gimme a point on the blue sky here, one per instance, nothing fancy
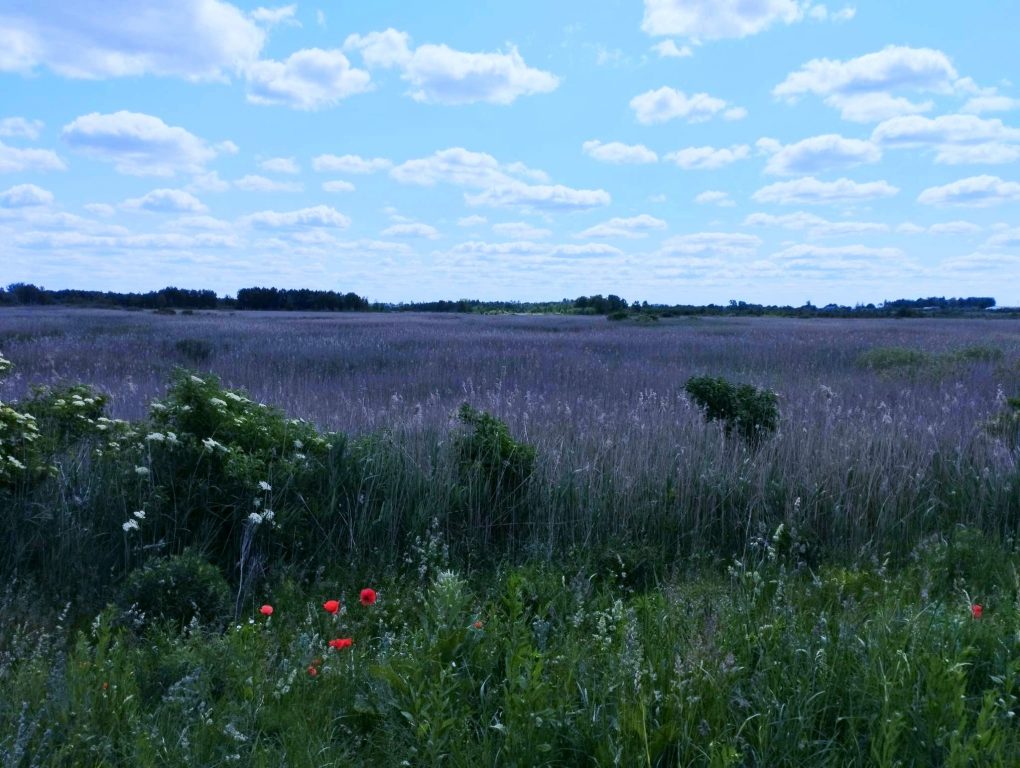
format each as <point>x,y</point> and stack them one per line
<point>685,151</point>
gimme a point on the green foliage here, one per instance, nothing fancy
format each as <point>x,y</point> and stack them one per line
<point>178,589</point>
<point>1006,423</point>
<point>751,412</point>
<point>67,412</point>
<point>886,359</point>
<point>21,457</point>
<point>489,455</point>
<point>195,351</point>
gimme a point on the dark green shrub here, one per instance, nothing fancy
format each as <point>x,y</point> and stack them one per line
<point>620,314</point>
<point>888,359</point>
<point>752,413</point>
<point>487,449</point>
<point>195,351</point>
<point>67,412</point>
<point>178,589</point>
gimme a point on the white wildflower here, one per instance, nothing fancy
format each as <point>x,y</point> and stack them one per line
<point>197,380</point>
<point>141,471</point>
<point>268,515</point>
<point>15,463</point>
<point>255,518</point>
<point>155,437</point>
<point>139,513</point>
<point>158,406</point>
<point>211,445</point>
<point>298,445</point>
<point>265,486</point>
<point>217,402</point>
<point>130,525</point>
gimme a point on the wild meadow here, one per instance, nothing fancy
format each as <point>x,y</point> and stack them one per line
<point>352,539</point>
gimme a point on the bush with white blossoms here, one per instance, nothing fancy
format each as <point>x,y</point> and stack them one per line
<point>21,456</point>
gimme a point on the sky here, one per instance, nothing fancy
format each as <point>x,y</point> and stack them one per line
<point>676,151</point>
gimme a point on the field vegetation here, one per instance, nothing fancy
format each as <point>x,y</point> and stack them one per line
<point>370,539</point>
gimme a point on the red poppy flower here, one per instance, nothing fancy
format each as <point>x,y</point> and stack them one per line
<point>312,671</point>
<point>367,596</point>
<point>976,610</point>
<point>266,610</point>
<point>341,643</point>
<point>477,625</point>
<point>331,606</point>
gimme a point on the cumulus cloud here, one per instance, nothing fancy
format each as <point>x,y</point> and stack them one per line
<point>818,153</point>
<point>667,49</point>
<point>528,248</point>
<point>618,153</point>
<point>664,104</point>
<point>954,228</point>
<point>280,165</point>
<point>811,191</point>
<point>25,196</point>
<point>166,201</point>
<point>14,160</point>
<point>552,197</point>
<point>990,103</point>
<point>717,19</point>
<point>308,79</point>
<point>337,185</point>
<point>860,87</point>
<point>255,183</point>
<point>519,230</point>
<point>272,16</point>
<point>1007,238</point>
<point>812,225</point>
<point>840,258</point>
<point>192,39</point>
<point>350,164</point>
<point>100,209</point>
<point>714,197</point>
<point>708,158</point>
<point>317,216</point>
<point>973,192</point>
<point>633,227</point>
<point>958,139</point>
<point>439,74</point>
<point>20,128</point>
<point>718,243</point>
<point>138,144</point>
<point>412,230</point>
<point>471,221</point>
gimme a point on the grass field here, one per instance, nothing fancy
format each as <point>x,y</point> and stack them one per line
<point>583,572</point>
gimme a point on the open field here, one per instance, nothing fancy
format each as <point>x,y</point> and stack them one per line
<point>640,588</point>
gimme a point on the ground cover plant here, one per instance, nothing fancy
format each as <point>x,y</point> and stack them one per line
<point>507,540</point>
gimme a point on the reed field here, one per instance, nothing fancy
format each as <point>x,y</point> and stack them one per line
<point>540,549</point>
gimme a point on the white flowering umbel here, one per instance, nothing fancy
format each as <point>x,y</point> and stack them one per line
<point>19,453</point>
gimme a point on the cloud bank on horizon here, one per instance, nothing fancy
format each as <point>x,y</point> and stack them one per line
<point>668,150</point>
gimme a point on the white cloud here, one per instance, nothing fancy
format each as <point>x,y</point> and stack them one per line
<point>821,13</point>
<point>100,209</point>
<point>812,225</point>
<point>350,164</point>
<point>668,49</point>
<point>439,74</point>
<point>633,227</point>
<point>166,201</point>
<point>718,243</point>
<point>973,192</point>
<point>818,153</point>
<point>308,79</point>
<point>1007,238</point>
<point>208,182</point>
<point>954,228</point>
<point>959,139</point>
<point>138,144</point>
<point>208,223</point>
<point>618,153</point>
<point>254,183</point>
<point>811,191</point>
<point>860,87</point>
<point>995,263</point>
<point>668,103</point>
<point>412,230</point>
<point>193,39</point>
<point>708,158</point>
<point>317,216</point>
<point>463,167</point>
<point>471,221</point>
<point>528,248</point>
<point>338,185</point>
<point>280,165</point>
<point>25,196</point>
<point>13,160</point>
<point>714,197</point>
<point>717,19</point>
<point>272,16</point>
<point>990,103</point>
<point>850,259</point>
<point>520,230</point>
<point>19,127</point>
<point>540,197</point>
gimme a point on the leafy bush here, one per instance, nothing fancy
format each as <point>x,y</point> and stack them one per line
<point>67,412</point>
<point>177,589</point>
<point>752,412</point>
<point>195,351</point>
<point>21,457</point>
<point>489,450</point>
<point>886,359</point>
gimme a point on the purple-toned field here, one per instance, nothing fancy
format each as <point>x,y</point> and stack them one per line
<point>894,439</point>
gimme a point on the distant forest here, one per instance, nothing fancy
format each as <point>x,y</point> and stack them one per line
<point>614,307</point>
